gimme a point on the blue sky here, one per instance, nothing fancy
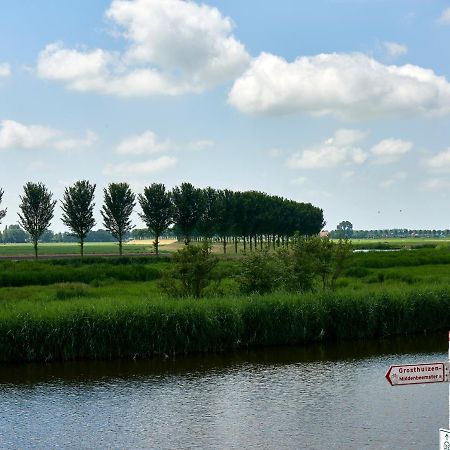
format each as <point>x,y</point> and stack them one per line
<point>342,103</point>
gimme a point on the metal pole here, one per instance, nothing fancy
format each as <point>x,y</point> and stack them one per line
<point>449,382</point>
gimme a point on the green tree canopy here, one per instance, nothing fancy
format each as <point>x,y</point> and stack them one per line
<point>157,210</point>
<point>78,210</point>
<point>116,211</point>
<point>345,230</point>
<point>188,209</point>
<point>37,208</point>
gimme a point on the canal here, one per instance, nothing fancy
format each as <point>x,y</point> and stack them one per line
<point>331,396</point>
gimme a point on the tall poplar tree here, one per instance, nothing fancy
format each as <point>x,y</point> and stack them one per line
<point>37,209</point>
<point>116,211</point>
<point>188,209</point>
<point>78,210</point>
<point>157,210</point>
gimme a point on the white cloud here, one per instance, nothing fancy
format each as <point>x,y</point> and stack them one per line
<point>444,18</point>
<point>74,144</point>
<point>435,184</point>
<point>146,143</point>
<point>390,150</point>
<point>140,168</point>
<point>173,47</point>
<point>5,70</point>
<point>339,149</point>
<point>440,162</point>
<point>394,49</point>
<point>14,135</point>
<point>399,176</point>
<point>18,136</point>
<point>346,85</point>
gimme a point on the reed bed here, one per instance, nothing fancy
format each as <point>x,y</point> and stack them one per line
<point>142,327</point>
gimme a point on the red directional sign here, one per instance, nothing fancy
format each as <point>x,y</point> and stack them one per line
<point>417,374</point>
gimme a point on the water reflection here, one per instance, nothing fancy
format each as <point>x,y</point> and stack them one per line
<point>318,397</point>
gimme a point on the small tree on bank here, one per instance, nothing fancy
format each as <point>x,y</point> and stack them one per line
<point>2,211</point>
<point>116,211</point>
<point>157,210</point>
<point>37,209</point>
<point>78,210</point>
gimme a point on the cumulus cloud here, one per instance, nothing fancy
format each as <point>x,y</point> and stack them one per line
<point>75,143</point>
<point>172,47</point>
<point>345,85</point>
<point>394,49</point>
<point>390,150</point>
<point>340,149</point>
<point>140,168</point>
<point>440,162</point>
<point>444,18</point>
<point>5,70</point>
<point>18,136</point>
<point>146,143</point>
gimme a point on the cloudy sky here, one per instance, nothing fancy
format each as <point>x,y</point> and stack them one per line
<point>341,103</point>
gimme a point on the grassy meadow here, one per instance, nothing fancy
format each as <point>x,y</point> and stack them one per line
<point>114,307</point>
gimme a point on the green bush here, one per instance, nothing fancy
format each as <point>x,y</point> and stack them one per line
<point>190,271</point>
<point>259,273</point>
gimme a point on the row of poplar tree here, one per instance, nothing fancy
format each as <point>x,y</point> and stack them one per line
<point>249,217</point>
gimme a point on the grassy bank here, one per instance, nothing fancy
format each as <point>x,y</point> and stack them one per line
<point>139,326</point>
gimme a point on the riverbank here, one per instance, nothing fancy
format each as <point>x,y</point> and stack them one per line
<point>143,327</point>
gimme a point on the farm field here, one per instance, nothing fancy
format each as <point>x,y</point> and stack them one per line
<point>170,245</point>
<point>90,248</point>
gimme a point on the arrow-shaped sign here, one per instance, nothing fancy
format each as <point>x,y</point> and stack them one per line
<point>417,373</point>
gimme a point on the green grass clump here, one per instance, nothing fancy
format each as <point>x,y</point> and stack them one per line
<point>26,273</point>
<point>146,326</point>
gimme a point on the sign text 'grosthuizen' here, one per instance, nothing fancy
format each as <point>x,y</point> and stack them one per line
<point>417,373</point>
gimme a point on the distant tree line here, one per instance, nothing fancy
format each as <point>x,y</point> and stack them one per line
<point>345,230</point>
<point>252,218</point>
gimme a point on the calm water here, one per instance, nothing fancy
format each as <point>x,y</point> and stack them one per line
<point>328,397</point>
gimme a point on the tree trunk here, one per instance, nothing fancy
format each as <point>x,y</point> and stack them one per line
<point>35,244</point>
<point>235,244</point>
<point>120,247</point>
<point>251,243</point>
<point>224,245</point>
<point>82,248</point>
<point>156,245</point>
<point>244,243</point>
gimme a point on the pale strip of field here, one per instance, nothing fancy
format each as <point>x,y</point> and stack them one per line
<point>150,242</point>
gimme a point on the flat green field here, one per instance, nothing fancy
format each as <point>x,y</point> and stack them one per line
<point>136,248</point>
<point>46,249</point>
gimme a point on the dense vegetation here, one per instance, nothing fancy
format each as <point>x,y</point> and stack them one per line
<point>108,308</point>
<point>142,327</point>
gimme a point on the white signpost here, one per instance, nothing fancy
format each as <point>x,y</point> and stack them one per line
<point>423,373</point>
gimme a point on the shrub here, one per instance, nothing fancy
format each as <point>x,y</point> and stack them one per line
<point>258,273</point>
<point>190,272</point>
